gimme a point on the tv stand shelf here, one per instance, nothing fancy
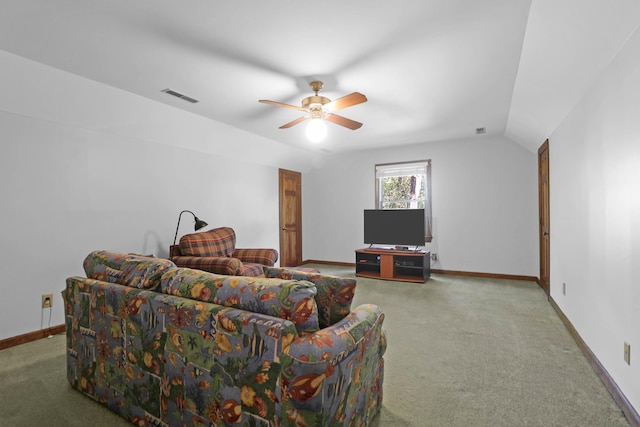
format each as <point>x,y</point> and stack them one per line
<point>389,264</point>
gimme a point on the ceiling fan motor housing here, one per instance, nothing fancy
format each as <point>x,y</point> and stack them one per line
<point>314,105</point>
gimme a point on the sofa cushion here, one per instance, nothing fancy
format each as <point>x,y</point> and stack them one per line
<point>334,294</point>
<point>287,299</point>
<point>219,242</point>
<point>133,270</point>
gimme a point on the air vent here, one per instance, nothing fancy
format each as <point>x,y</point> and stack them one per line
<point>480,131</point>
<point>180,95</point>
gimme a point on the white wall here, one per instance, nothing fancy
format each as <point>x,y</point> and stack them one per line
<point>595,217</point>
<point>484,204</point>
<point>85,166</point>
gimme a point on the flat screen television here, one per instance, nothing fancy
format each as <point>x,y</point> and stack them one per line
<point>400,227</point>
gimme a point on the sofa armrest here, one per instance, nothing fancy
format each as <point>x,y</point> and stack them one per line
<point>217,265</point>
<point>257,256</point>
<point>336,374</point>
<point>342,337</point>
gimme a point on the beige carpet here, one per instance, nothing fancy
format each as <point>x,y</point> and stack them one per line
<point>461,352</point>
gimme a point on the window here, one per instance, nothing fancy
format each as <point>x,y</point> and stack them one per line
<point>405,185</point>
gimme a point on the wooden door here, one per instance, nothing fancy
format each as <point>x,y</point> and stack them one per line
<point>543,206</point>
<point>290,218</point>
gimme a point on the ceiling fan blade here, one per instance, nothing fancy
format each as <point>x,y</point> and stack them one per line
<point>343,121</point>
<point>346,101</point>
<point>280,104</point>
<point>294,122</point>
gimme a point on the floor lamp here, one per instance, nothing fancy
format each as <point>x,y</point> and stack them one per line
<point>197,225</point>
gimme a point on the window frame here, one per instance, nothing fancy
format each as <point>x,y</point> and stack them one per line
<point>381,167</point>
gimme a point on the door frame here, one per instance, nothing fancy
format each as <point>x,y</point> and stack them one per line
<point>284,252</point>
<point>543,217</point>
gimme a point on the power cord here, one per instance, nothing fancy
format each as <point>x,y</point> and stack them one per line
<point>49,324</point>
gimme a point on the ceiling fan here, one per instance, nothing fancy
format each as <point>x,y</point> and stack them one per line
<point>320,107</point>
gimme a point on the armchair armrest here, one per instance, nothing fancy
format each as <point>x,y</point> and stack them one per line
<point>266,257</point>
<point>217,265</point>
<point>174,250</point>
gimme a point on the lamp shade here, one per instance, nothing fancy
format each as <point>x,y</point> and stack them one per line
<point>316,130</point>
<point>199,224</point>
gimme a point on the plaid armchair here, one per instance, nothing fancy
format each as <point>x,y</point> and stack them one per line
<point>214,251</point>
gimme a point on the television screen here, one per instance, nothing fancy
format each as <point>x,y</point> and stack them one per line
<point>394,227</point>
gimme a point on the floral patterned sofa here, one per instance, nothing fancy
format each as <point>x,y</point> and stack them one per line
<point>168,346</point>
<point>215,251</point>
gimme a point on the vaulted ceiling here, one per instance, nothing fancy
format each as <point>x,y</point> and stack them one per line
<point>432,70</point>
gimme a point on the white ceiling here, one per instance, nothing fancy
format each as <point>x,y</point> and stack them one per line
<point>432,69</point>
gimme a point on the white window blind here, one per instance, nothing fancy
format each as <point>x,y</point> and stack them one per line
<point>403,169</point>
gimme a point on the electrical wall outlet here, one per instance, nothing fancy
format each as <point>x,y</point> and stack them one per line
<point>434,256</point>
<point>627,353</point>
<point>47,300</point>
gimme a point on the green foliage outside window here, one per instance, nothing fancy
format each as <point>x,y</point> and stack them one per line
<point>403,192</point>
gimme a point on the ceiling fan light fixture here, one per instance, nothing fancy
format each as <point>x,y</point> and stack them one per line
<point>316,130</point>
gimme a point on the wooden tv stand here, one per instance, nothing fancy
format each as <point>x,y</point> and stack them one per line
<point>390,264</point>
